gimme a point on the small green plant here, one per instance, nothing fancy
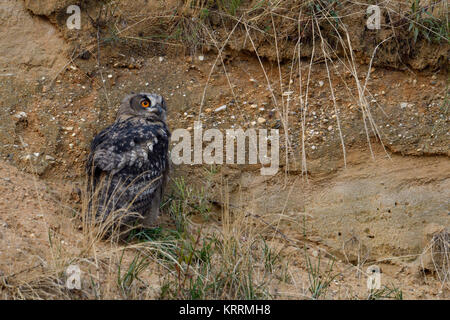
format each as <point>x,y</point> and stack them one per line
<point>143,235</point>
<point>271,258</point>
<point>192,270</point>
<point>386,292</point>
<point>319,280</point>
<point>207,269</point>
<point>126,280</point>
<point>229,6</point>
<point>423,23</point>
<point>185,201</point>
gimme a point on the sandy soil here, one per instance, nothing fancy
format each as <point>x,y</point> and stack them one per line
<point>382,206</point>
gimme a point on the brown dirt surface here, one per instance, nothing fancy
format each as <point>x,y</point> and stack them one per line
<point>383,204</point>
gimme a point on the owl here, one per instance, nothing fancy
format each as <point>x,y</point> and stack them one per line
<point>128,164</point>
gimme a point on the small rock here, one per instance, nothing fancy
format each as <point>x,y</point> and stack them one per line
<point>288,93</point>
<point>49,158</point>
<point>221,108</point>
<point>330,128</point>
<point>261,120</point>
<point>208,110</point>
<point>161,59</point>
<point>321,83</point>
<point>85,55</point>
<point>20,115</point>
<point>201,57</point>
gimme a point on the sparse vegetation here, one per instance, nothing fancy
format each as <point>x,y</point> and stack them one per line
<point>387,292</point>
<point>206,246</point>
<point>319,278</point>
<point>423,23</point>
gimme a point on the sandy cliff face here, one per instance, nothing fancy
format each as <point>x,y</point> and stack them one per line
<point>54,98</point>
<point>30,47</point>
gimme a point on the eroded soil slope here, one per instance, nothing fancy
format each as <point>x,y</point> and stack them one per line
<point>381,204</point>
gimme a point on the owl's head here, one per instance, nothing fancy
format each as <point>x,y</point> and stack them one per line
<point>147,105</point>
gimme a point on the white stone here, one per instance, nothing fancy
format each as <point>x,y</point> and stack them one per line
<point>21,115</point>
<point>221,108</point>
<point>261,120</point>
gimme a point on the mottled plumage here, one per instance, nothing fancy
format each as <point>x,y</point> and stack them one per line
<point>129,163</point>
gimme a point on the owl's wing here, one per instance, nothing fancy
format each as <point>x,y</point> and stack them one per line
<point>130,144</point>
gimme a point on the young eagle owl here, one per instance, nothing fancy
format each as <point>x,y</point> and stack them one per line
<point>128,164</point>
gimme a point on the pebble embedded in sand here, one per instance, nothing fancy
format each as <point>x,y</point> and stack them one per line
<point>221,108</point>
<point>20,115</point>
<point>404,105</point>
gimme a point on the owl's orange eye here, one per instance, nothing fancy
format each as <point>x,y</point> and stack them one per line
<point>145,104</point>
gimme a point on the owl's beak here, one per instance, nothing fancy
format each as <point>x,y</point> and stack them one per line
<point>156,109</point>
